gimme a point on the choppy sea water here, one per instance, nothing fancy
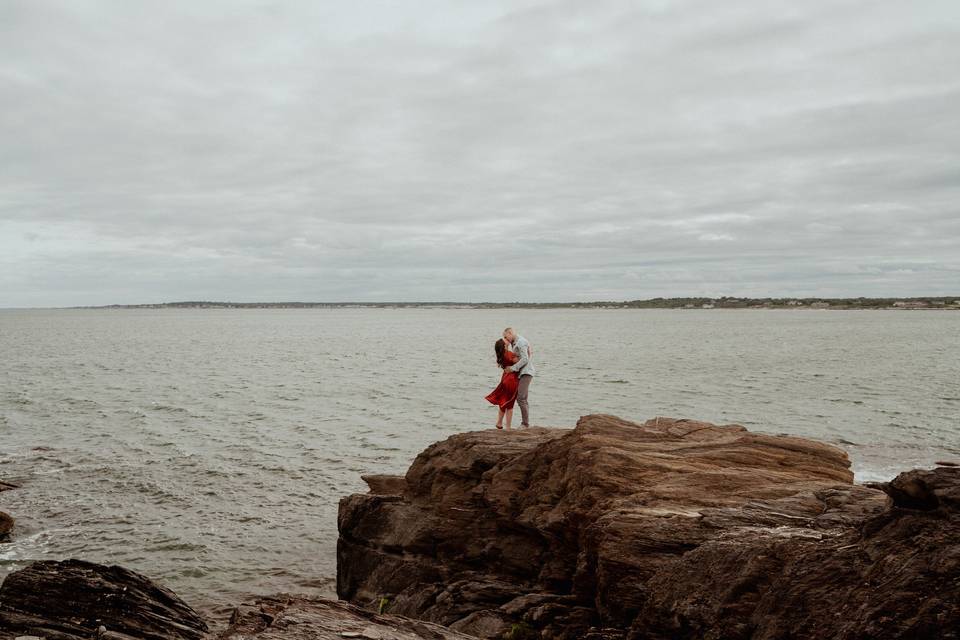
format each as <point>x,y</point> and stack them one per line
<point>208,448</point>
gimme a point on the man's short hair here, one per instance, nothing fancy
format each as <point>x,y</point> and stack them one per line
<point>507,330</point>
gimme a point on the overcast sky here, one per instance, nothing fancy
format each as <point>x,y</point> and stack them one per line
<point>477,150</point>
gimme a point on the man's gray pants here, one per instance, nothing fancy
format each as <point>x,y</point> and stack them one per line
<point>522,391</point>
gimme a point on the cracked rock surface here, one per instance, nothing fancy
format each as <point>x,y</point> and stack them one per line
<point>666,529</point>
<point>74,599</point>
<point>292,618</point>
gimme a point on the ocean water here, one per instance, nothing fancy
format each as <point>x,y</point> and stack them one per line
<point>208,448</point>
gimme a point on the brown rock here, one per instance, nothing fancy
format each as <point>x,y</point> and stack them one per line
<point>925,490</point>
<point>386,485</point>
<point>586,518</point>
<point>6,521</point>
<point>291,618</point>
<point>896,575</point>
<point>6,526</point>
<point>73,599</point>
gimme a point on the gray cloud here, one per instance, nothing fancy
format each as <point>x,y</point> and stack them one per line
<point>477,151</point>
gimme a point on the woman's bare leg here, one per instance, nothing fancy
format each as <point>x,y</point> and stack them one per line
<point>509,416</point>
<point>500,420</point>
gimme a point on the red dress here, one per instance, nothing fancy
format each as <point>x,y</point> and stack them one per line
<point>506,392</point>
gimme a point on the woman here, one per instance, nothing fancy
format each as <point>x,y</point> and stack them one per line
<point>506,392</point>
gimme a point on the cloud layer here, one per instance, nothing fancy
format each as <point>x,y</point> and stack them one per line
<point>477,151</point>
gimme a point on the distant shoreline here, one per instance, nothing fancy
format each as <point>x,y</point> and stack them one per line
<point>929,303</point>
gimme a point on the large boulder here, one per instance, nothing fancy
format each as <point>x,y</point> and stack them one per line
<point>74,599</point>
<point>293,618</point>
<point>579,533</point>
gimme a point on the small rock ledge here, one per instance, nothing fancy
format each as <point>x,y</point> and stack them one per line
<point>76,600</point>
<point>292,618</point>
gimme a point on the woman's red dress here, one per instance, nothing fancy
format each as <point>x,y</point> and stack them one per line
<point>506,392</point>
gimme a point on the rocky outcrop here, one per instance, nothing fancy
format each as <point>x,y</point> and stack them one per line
<point>291,618</point>
<point>81,600</point>
<point>74,600</point>
<point>6,526</point>
<point>672,529</point>
<point>894,574</point>
<point>6,521</point>
<point>669,529</point>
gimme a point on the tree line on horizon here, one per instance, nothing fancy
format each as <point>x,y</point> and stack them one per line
<point>723,302</point>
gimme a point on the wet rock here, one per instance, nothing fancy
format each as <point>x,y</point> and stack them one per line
<point>925,490</point>
<point>6,520</point>
<point>292,618</point>
<point>669,529</point>
<point>74,599</point>
<point>6,526</point>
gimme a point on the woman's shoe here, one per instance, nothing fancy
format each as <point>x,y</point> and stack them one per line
<point>499,426</point>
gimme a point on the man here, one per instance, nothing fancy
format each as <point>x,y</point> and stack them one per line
<point>524,367</point>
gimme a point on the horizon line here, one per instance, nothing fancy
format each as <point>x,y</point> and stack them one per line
<point>703,299</point>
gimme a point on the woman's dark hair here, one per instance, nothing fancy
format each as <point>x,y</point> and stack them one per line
<point>500,348</point>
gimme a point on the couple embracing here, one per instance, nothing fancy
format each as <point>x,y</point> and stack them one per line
<point>515,357</point>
